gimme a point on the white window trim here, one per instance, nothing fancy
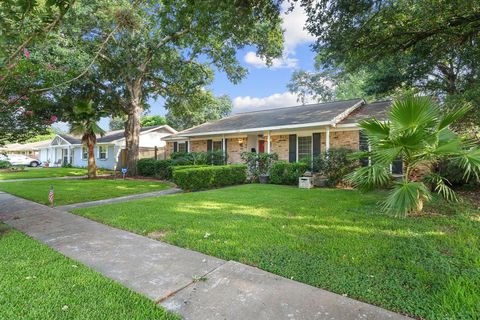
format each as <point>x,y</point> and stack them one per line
<point>178,146</point>
<point>106,152</point>
<point>84,158</point>
<point>311,144</point>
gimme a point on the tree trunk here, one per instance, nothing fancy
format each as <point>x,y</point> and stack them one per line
<point>132,136</point>
<point>92,168</point>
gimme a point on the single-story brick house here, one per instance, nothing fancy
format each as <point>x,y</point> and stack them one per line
<point>110,150</point>
<point>291,132</point>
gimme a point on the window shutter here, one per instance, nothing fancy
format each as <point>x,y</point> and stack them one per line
<point>316,144</point>
<point>186,146</point>
<point>292,148</point>
<point>175,146</point>
<point>209,145</point>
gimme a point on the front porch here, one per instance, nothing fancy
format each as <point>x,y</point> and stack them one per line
<point>59,152</point>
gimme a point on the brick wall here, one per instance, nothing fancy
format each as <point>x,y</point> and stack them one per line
<point>198,146</point>
<point>168,149</point>
<point>280,146</point>
<point>234,150</point>
<point>341,139</point>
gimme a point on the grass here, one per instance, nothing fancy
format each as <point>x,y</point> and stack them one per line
<point>427,266</point>
<point>83,190</point>
<point>39,283</point>
<point>45,173</point>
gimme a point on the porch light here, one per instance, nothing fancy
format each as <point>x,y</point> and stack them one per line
<point>240,141</point>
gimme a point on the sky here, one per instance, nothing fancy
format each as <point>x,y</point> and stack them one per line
<point>264,87</point>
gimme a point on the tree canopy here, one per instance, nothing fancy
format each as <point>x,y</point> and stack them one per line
<point>432,47</point>
<point>193,113</point>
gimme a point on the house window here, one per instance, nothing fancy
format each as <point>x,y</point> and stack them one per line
<point>182,147</point>
<point>304,148</point>
<point>84,153</point>
<point>102,152</point>
<point>217,145</point>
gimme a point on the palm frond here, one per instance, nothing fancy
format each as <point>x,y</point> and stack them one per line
<point>454,116</point>
<point>387,155</point>
<point>375,129</point>
<point>406,197</point>
<point>413,112</point>
<point>469,160</point>
<point>440,185</point>
<point>371,177</point>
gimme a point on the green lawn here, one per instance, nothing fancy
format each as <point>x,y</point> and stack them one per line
<point>334,239</point>
<point>75,191</point>
<point>39,283</point>
<point>46,173</point>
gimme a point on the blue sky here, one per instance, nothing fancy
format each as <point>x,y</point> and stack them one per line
<point>264,87</point>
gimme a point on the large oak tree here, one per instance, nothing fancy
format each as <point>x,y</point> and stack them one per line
<point>169,49</point>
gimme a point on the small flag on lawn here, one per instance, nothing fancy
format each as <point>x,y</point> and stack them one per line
<point>50,196</point>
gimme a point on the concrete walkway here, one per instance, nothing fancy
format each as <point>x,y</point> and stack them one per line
<point>69,207</point>
<point>191,284</point>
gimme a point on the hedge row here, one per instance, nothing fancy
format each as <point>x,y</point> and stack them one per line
<point>283,172</point>
<point>208,177</point>
<point>155,168</point>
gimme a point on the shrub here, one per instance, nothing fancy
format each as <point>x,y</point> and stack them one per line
<point>5,164</point>
<point>334,164</point>
<point>163,169</point>
<point>208,177</point>
<point>454,173</point>
<point>287,173</point>
<point>146,167</point>
<point>199,158</point>
<point>258,164</point>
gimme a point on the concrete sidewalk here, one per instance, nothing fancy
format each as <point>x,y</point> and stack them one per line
<point>119,199</point>
<point>191,284</point>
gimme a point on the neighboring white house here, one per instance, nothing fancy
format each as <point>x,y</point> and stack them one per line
<point>109,150</point>
<point>31,149</point>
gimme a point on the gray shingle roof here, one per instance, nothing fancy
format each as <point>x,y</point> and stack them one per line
<point>303,114</point>
<point>108,137</point>
<point>378,110</point>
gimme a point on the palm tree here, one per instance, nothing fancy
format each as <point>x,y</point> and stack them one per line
<point>85,125</point>
<point>418,133</point>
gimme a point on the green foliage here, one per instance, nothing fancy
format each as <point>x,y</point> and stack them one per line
<point>431,47</point>
<point>146,167</point>
<point>199,158</point>
<point>418,133</point>
<point>406,197</point>
<point>283,172</point>
<point>187,114</point>
<point>116,123</point>
<point>453,173</point>
<point>5,164</point>
<point>258,164</point>
<point>208,177</point>
<point>334,164</point>
<point>161,169</point>
<point>156,120</point>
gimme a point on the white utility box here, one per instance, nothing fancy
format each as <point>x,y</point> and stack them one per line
<point>305,182</point>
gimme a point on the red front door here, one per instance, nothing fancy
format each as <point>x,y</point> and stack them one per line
<point>261,146</point>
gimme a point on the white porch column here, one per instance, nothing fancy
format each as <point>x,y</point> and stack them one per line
<point>68,155</point>
<point>188,146</point>
<point>327,139</point>
<point>223,146</point>
<point>268,141</point>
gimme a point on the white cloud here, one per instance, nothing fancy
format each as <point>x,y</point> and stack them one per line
<point>276,100</point>
<point>285,62</point>
<point>295,34</point>
<point>293,24</point>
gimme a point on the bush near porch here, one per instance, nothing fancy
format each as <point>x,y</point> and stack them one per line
<point>207,177</point>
